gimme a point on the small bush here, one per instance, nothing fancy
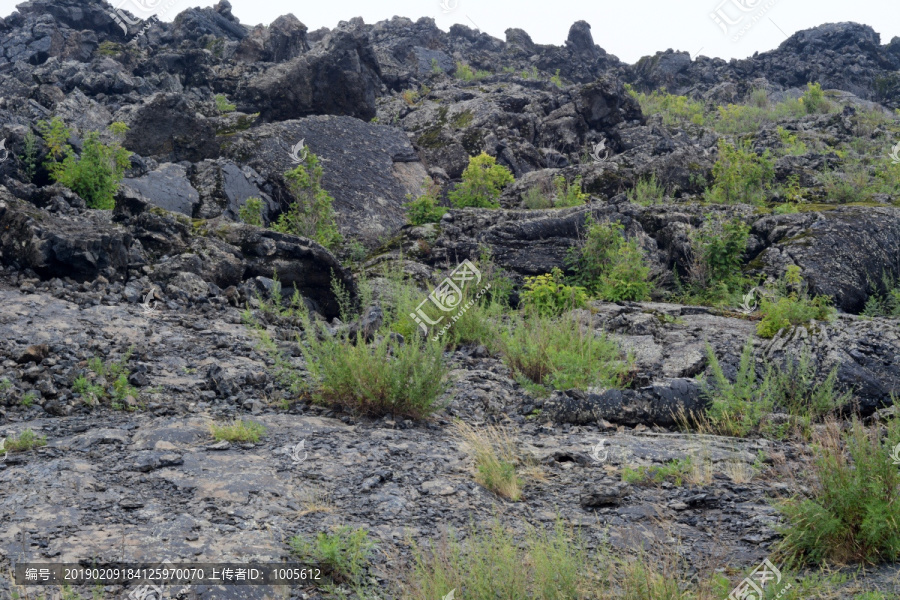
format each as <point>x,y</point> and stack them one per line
<point>814,100</point>
<point>792,306</point>
<point>536,199</point>
<point>482,182</point>
<point>557,80</point>
<point>312,214</point>
<point>548,295</point>
<point>675,110</point>
<point>886,303</point>
<point>25,441</point>
<point>251,212</point>
<point>609,266</point>
<point>465,73</point>
<point>223,105</point>
<point>560,354</point>
<point>390,377</point>
<point>569,194</point>
<point>425,209</point>
<point>95,175</point>
<point>647,192</point>
<point>740,175</point>
<point>108,380</point>
<point>30,155</point>
<point>238,431</point>
<point>717,254</point>
<point>853,513</point>
<point>344,555</point>
<point>741,118</point>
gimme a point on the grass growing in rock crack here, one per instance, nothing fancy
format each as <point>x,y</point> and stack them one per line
<point>853,512</point>
<point>647,192</point>
<point>496,458</point>
<point>238,431</point>
<point>561,353</point>
<point>25,441</point>
<point>675,471</point>
<point>791,305</point>
<point>885,302</point>
<point>343,555</point>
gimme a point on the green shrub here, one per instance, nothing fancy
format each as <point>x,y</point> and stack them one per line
<point>792,144</point>
<point>435,67</point>
<point>425,209</point>
<point>853,513</point>
<point>223,105</point>
<point>25,441</point>
<point>311,215</point>
<point>95,175</point>
<point>108,380</point>
<point>465,73</point>
<point>740,175</point>
<point>791,306</point>
<point>717,253</point>
<point>30,155</point>
<point>535,199</point>
<point>814,99</point>
<point>482,182</point>
<point>741,118</point>
<point>647,192</point>
<point>548,295</point>
<point>251,212</point>
<point>886,303</point>
<point>343,555</point>
<point>238,431</point>
<point>560,354</point>
<point>795,386</point>
<point>557,80</point>
<point>569,194</point>
<point>609,266</point>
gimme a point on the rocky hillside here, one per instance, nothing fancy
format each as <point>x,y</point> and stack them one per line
<point>436,313</point>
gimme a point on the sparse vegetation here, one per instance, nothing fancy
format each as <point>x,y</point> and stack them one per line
<point>569,194</point>
<point>109,379</point>
<point>549,296</point>
<point>25,441</point>
<point>496,458</point>
<point>343,555</point>
<point>238,431</point>
<point>717,255</point>
<point>223,105</point>
<point>674,471</point>
<point>647,192</point>
<point>791,305</point>
<point>30,155</point>
<point>425,208</point>
<point>465,73</point>
<point>312,214</point>
<point>741,175</point>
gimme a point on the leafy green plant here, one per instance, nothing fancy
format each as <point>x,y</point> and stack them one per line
<point>548,295</point>
<point>557,80</point>
<point>609,266</point>
<point>108,380</point>
<point>344,555</point>
<point>482,182</point>
<point>791,142</point>
<point>30,155</point>
<point>425,208</point>
<point>569,194</point>
<point>312,214</point>
<point>238,431</point>
<point>814,99</point>
<point>717,249</point>
<point>535,199</point>
<point>740,175</point>
<point>647,191</point>
<point>28,399</point>
<point>853,513</point>
<point>251,212</point>
<point>884,303</point>
<point>560,354</point>
<point>675,110</point>
<point>25,441</point>
<point>95,174</point>
<point>465,73</point>
<point>792,306</point>
<point>435,67</point>
<point>223,105</point>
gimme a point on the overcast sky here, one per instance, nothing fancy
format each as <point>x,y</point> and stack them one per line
<point>627,28</point>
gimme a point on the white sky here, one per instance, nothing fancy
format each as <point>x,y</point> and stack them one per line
<point>627,28</point>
